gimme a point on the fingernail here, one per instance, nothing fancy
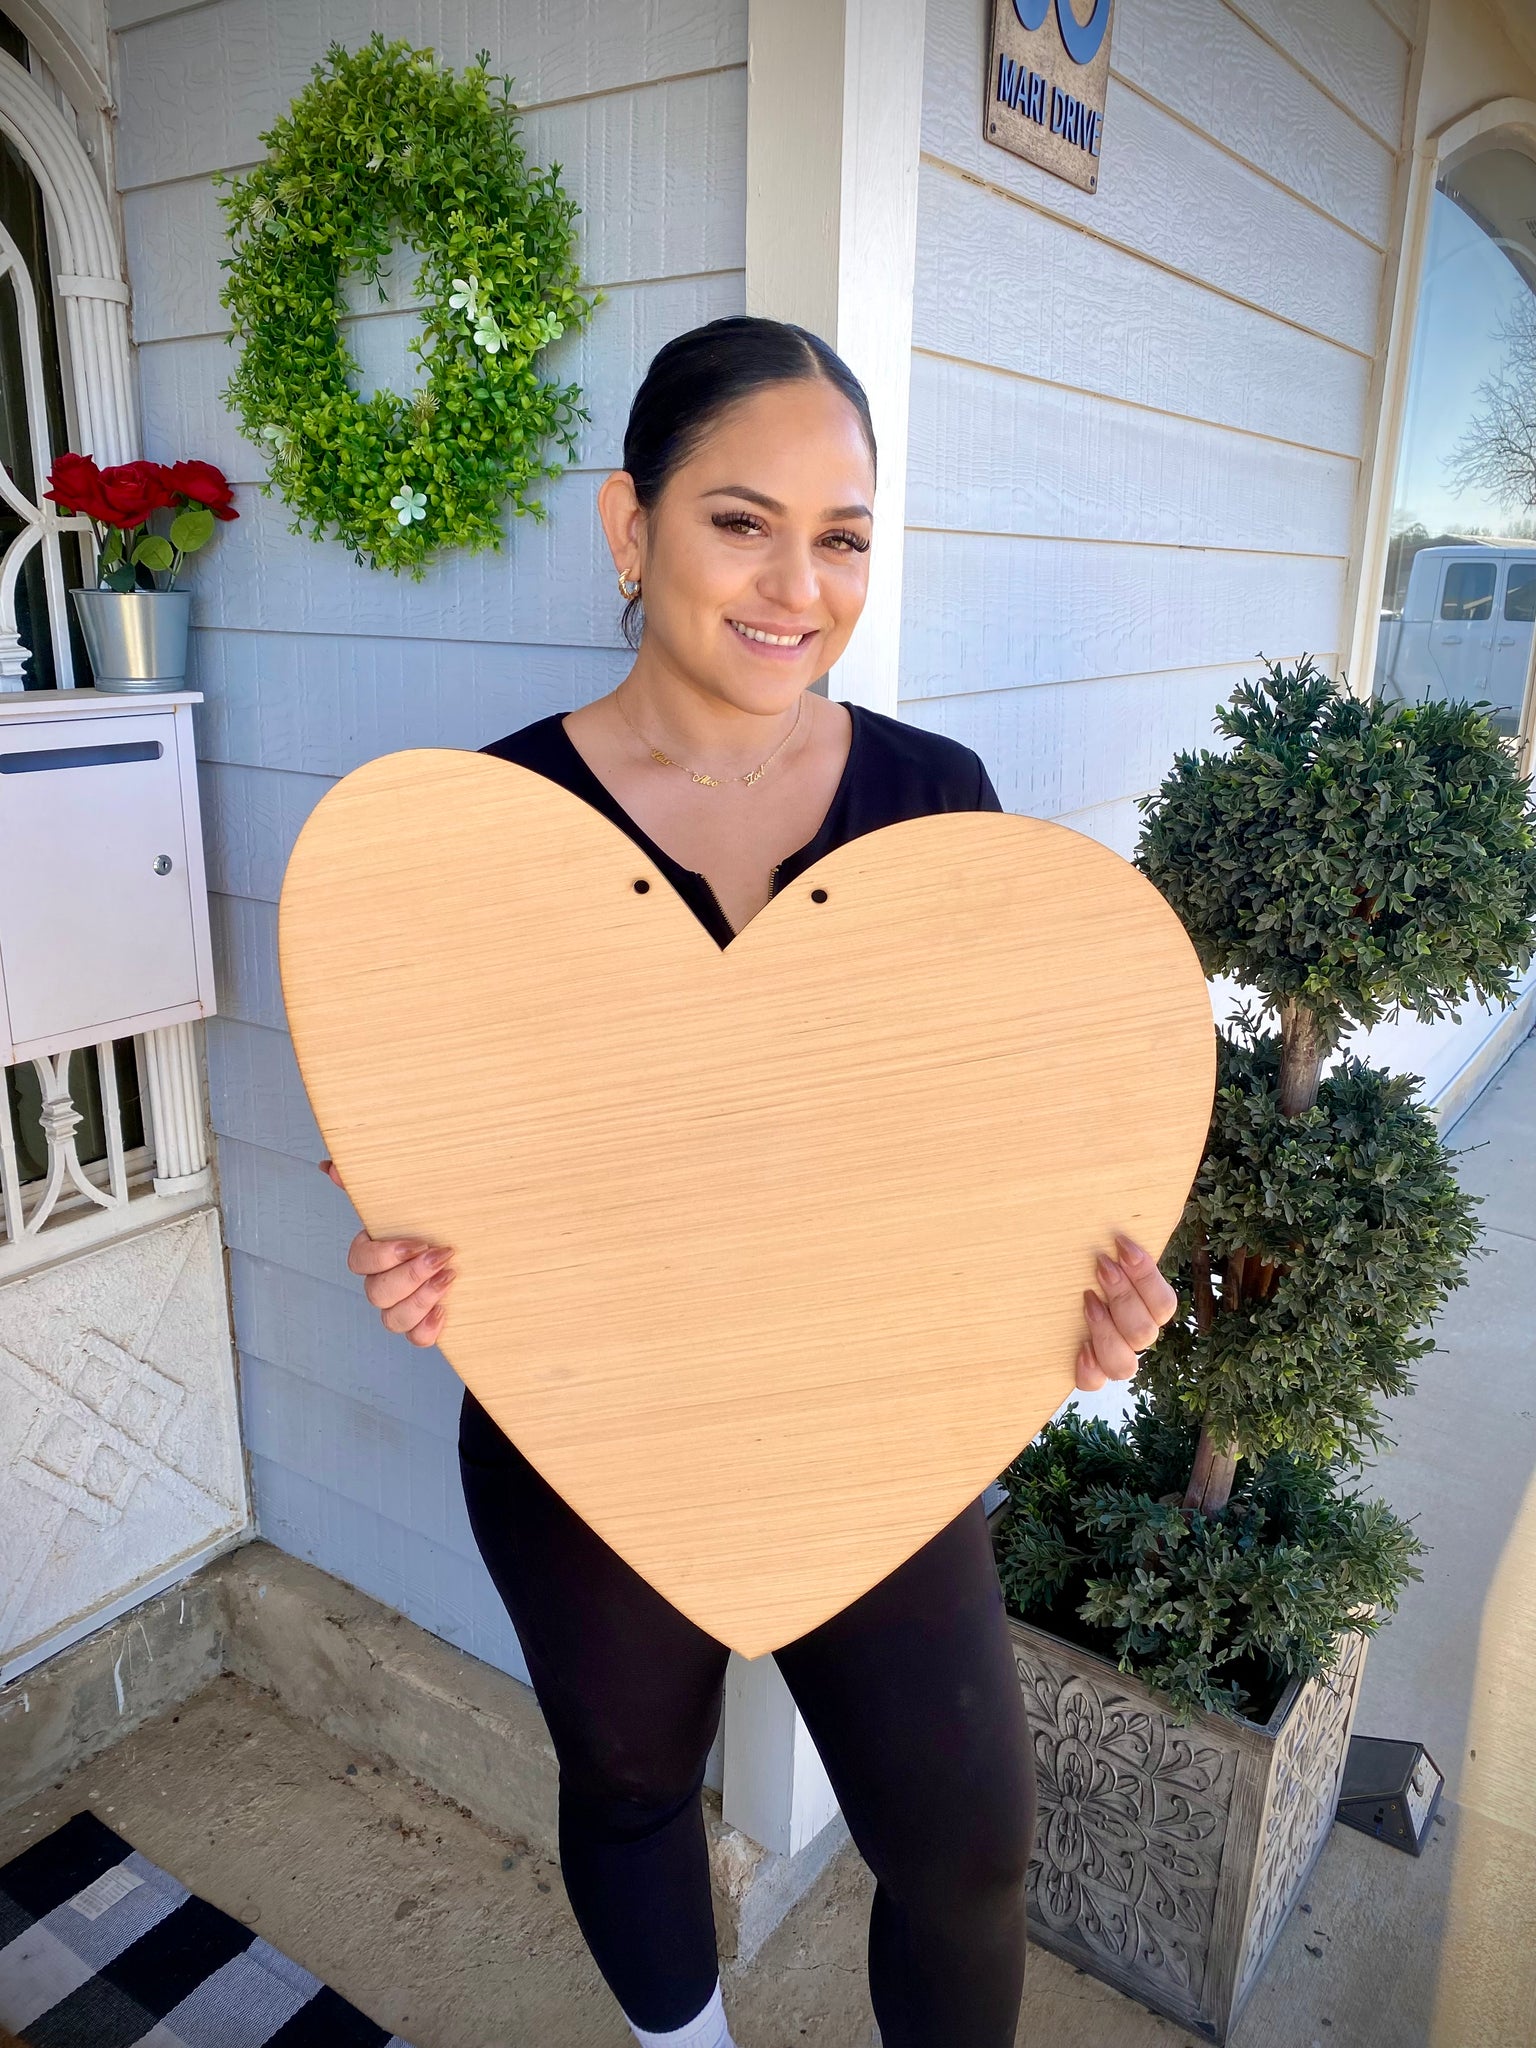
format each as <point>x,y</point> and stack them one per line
<point>440,1257</point>
<point>1108,1270</point>
<point>1131,1253</point>
<point>1092,1303</point>
<point>409,1247</point>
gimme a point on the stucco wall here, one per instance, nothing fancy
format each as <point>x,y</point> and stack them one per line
<point>312,665</point>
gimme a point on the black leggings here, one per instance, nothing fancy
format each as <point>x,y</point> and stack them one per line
<point>910,1696</point>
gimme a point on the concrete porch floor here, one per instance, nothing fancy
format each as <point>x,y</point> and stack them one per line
<point>458,1936</point>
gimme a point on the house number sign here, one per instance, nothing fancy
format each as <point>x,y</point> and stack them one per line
<point>1046,82</point>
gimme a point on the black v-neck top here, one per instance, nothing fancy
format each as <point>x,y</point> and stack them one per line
<point>894,771</point>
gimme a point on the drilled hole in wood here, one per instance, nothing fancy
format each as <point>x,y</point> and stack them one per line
<point>818,895</point>
<point>641,886</point>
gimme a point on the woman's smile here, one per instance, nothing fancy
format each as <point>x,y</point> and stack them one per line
<point>776,644</point>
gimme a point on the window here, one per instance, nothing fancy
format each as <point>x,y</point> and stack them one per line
<point>1466,476</point>
<point>1469,591</point>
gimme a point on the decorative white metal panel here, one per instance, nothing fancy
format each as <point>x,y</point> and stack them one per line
<point>118,1436</point>
<point>29,1202</point>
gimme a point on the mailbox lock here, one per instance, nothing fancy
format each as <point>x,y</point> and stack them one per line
<point>162,863</point>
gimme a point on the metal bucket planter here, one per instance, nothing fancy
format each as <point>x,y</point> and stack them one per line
<point>1167,1857</point>
<point>136,639</point>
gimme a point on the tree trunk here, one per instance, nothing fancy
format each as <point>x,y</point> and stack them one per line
<point>1210,1484</point>
<point>1303,1048</point>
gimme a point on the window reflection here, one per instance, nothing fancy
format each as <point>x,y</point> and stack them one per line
<point>1459,600</point>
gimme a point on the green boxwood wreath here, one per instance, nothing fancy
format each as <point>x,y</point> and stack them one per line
<point>384,140</point>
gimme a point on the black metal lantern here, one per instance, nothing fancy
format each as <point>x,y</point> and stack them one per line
<point>1390,1790</point>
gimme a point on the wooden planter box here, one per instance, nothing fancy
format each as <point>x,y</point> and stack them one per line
<point>1167,1857</point>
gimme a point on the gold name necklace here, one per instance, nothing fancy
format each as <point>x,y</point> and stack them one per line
<point>710,781</point>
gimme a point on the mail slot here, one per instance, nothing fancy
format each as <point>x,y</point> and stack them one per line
<point>103,904</point>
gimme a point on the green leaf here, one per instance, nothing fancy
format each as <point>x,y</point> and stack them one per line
<point>191,528</point>
<point>154,552</point>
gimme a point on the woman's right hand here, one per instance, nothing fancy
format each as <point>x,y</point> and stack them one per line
<point>406,1279</point>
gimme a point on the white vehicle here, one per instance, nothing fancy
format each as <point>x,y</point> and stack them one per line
<point>1465,629</point>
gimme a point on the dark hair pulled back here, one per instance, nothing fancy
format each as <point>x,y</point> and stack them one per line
<point>693,379</point>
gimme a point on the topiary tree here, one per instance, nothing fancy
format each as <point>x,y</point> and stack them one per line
<point>1345,860</point>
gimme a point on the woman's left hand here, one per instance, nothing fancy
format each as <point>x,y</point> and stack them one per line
<point>1125,1317</point>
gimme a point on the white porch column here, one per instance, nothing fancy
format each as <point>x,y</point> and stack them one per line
<point>176,1110</point>
<point>834,105</point>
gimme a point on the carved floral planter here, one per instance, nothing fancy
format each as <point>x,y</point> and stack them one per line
<point>1167,1857</point>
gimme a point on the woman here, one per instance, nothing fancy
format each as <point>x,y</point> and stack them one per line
<point>742,519</point>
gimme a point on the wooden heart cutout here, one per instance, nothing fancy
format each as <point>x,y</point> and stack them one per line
<point>770,1257</point>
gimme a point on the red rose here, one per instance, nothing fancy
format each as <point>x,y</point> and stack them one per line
<point>204,485</point>
<point>130,492</point>
<point>74,485</point>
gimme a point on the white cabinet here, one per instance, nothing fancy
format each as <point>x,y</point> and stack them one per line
<point>103,903</point>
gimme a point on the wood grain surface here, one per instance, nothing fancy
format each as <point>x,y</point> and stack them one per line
<point>769,1258</point>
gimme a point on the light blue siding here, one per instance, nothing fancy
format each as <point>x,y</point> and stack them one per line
<point>1139,415</point>
<point>312,664</point>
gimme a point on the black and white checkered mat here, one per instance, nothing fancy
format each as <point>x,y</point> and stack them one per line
<point>99,1948</point>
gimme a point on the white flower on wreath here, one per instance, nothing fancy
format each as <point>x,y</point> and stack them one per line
<point>278,438</point>
<point>488,334</point>
<point>465,296</point>
<point>408,504</point>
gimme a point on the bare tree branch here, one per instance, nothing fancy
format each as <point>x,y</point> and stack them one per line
<point>1497,452</point>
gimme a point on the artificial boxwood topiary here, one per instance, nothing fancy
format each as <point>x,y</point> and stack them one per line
<point>1351,1230</point>
<point>385,140</point>
<point>1216,1611</point>
<point>1344,859</point>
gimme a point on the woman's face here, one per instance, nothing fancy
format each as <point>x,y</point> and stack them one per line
<point>754,559</point>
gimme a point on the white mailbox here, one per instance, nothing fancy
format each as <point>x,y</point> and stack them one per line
<point>103,902</point>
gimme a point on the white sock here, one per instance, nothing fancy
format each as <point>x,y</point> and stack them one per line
<point>705,2030</point>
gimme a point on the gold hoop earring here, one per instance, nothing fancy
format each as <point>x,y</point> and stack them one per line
<point>628,589</point>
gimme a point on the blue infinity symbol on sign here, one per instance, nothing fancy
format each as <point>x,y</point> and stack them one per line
<point>1082,38</point>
